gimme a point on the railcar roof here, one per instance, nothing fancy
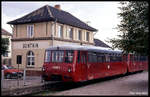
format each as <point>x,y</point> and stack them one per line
<point>84,48</point>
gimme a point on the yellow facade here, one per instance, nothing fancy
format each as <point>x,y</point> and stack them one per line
<point>42,39</point>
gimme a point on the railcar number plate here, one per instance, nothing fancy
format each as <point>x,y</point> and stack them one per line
<point>56,67</point>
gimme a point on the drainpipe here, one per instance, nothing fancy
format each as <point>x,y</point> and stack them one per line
<point>53,32</point>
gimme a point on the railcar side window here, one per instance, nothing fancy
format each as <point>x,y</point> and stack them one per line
<point>143,58</point>
<point>125,57</point>
<point>119,58</point>
<point>115,58</point>
<point>92,57</point>
<point>101,58</point>
<point>69,57</point>
<point>136,58</point>
<point>112,58</point>
<point>89,57</point>
<point>79,57</point>
<point>131,57</point>
<point>107,58</point>
<point>47,56</point>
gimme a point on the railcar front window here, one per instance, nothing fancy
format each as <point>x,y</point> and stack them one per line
<point>61,56</point>
<point>47,56</point>
<point>69,57</point>
<point>57,56</point>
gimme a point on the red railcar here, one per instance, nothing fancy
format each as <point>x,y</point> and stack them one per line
<point>135,62</point>
<point>82,63</point>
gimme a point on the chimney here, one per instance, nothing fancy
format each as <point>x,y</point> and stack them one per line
<point>57,7</point>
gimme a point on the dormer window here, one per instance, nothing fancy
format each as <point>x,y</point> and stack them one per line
<point>30,31</point>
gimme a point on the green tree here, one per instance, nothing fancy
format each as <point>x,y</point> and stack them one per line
<point>133,27</point>
<point>4,45</point>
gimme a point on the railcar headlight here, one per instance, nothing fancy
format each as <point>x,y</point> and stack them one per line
<point>69,70</point>
<point>43,69</point>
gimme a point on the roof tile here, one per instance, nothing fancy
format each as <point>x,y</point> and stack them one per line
<point>48,13</point>
<point>100,43</point>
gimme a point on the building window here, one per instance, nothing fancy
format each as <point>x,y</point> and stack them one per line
<point>30,59</point>
<point>87,36</point>
<point>60,31</point>
<point>79,34</point>
<point>30,30</point>
<point>70,31</point>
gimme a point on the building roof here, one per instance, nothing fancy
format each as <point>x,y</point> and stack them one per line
<point>100,43</point>
<point>48,13</point>
<point>4,32</point>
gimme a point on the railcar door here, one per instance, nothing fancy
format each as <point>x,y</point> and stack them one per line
<point>131,63</point>
<point>83,64</point>
<point>82,67</point>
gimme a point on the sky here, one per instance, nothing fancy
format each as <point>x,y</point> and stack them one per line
<point>101,15</point>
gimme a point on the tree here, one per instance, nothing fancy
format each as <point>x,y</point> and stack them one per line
<point>133,27</point>
<point>4,45</point>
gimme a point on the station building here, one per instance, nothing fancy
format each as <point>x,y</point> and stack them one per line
<point>44,27</point>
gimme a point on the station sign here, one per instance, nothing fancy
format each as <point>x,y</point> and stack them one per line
<point>31,45</point>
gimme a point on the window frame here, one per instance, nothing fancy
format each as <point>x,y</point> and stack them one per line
<point>79,34</point>
<point>45,57</point>
<point>87,36</point>
<point>60,31</point>
<point>115,57</point>
<point>55,59</point>
<point>66,54</point>
<point>70,31</point>
<point>30,32</point>
<point>103,58</point>
<point>29,59</point>
<point>91,55</point>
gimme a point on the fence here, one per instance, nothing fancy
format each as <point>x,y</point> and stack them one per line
<point>24,81</point>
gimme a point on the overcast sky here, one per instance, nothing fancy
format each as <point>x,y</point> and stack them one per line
<point>102,15</point>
